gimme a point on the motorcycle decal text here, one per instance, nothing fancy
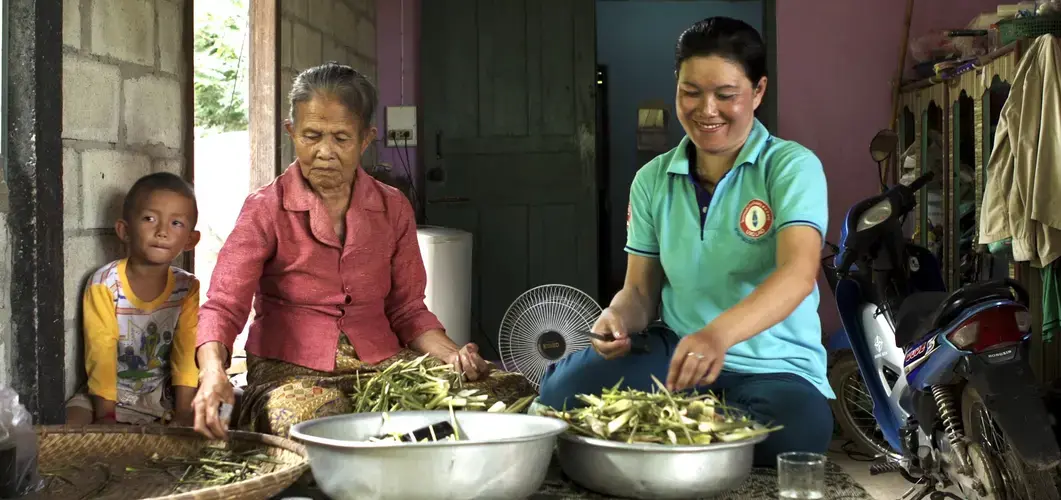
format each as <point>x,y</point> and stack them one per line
<point>916,352</point>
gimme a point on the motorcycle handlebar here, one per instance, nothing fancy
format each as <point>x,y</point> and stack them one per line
<point>846,260</point>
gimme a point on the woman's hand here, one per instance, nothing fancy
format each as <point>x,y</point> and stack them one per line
<point>610,323</point>
<point>697,360</point>
<point>214,389</point>
<point>468,362</point>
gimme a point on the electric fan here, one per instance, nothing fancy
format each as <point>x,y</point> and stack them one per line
<point>543,325</point>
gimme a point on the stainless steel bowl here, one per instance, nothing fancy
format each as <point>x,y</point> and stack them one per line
<point>643,470</point>
<point>501,455</point>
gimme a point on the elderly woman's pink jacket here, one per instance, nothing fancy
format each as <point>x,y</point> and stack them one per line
<point>308,286</point>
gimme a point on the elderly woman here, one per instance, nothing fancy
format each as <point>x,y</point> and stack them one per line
<point>725,232</point>
<point>331,259</point>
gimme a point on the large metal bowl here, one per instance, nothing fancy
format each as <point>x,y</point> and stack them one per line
<point>500,456</point>
<point>646,470</point>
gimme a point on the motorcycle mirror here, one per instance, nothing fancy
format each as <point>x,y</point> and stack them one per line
<point>883,145</point>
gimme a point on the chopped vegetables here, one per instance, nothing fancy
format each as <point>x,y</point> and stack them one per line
<point>213,467</point>
<point>424,384</point>
<point>634,416</point>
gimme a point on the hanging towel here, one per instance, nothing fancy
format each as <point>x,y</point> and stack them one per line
<point>1025,163</point>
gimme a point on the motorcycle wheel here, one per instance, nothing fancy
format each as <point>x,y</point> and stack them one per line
<point>853,408</point>
<point>1019,480</point>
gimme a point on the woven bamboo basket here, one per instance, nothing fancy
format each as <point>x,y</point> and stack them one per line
<point>112,462</point>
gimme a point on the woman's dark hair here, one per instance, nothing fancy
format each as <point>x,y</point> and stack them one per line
<point>728,38</point>
<point>352,88</point>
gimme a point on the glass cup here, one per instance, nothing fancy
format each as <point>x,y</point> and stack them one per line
<point>800,476</point>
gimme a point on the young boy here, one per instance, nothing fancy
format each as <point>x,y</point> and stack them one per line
<point>141,314</point>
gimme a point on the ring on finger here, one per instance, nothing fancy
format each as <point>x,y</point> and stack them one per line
<point>696,354</point>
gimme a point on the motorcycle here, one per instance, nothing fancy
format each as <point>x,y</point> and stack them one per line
<point>853,407</point>
<point>947,372</point>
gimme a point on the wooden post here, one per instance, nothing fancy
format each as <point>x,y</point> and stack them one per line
<point>34,171</point>
<point>264,102</point>
<point>898,82</point>
<point>188,105</point>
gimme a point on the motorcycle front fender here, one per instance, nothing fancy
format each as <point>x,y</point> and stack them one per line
<point>1010,392</point>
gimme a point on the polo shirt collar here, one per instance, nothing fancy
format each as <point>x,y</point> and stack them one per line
<point>298,197</point>
<point>749,153</point>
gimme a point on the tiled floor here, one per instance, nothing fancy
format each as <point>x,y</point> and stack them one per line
<point>883,487</point>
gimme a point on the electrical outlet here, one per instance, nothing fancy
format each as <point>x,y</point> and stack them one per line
<point>401,126</point>
<point>399,136</point>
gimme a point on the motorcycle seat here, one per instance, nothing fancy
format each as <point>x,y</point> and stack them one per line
<point>923,312</point>
<point>915,314</point>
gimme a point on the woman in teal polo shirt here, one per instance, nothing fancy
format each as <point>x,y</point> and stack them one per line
<point>725,233</point>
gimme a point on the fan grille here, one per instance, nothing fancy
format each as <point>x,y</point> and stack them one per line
<point>543,325</point>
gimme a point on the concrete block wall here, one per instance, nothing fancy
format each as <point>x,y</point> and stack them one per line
<point>123,78</point>
<point>316,31</point>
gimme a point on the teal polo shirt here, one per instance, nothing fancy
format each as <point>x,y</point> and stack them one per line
<point>715,248</point>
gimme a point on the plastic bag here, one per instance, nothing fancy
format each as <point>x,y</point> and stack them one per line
<point>18,448</point>
<point>933,47</point>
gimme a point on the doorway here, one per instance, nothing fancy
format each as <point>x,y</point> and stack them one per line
<point>222,166</point>
<point>636,41</point>
<point>508,144</point>
<point>528,131</point>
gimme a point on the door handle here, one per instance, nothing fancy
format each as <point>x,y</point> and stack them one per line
<point>436,173</point>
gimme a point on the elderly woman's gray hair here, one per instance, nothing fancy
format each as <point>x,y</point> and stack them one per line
<point>349,85</point>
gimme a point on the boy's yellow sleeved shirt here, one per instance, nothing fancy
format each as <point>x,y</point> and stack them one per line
<point>133,346</point>
<point>100,325</point>
<point>185,372</point>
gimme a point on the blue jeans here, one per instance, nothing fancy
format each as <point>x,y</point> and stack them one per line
<point>779,398</point>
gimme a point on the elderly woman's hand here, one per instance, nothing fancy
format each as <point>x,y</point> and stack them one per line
<point>468,362</point>
<point>214,389</point>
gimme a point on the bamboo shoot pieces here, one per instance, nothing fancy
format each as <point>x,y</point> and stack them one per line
<point>423,384</point>
<point>661,417</point>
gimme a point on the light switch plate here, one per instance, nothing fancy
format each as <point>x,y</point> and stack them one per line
<point>401,126</point>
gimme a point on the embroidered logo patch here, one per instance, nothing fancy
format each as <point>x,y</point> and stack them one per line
<point>756,219</point>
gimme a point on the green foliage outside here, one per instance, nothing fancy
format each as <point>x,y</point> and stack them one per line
<point>221,64</point>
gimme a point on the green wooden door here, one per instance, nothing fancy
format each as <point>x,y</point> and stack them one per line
<point>508,143</point>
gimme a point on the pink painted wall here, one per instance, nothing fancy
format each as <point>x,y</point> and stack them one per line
<point>835,64</point>
<point>834,83</point>
<point>397,67</point>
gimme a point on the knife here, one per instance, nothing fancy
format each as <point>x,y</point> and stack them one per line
<point>638,341</point>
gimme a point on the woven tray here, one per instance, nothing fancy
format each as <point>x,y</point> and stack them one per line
<point>76,463</point>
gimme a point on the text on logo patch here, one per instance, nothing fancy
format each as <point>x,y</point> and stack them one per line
<point>756,218</point>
